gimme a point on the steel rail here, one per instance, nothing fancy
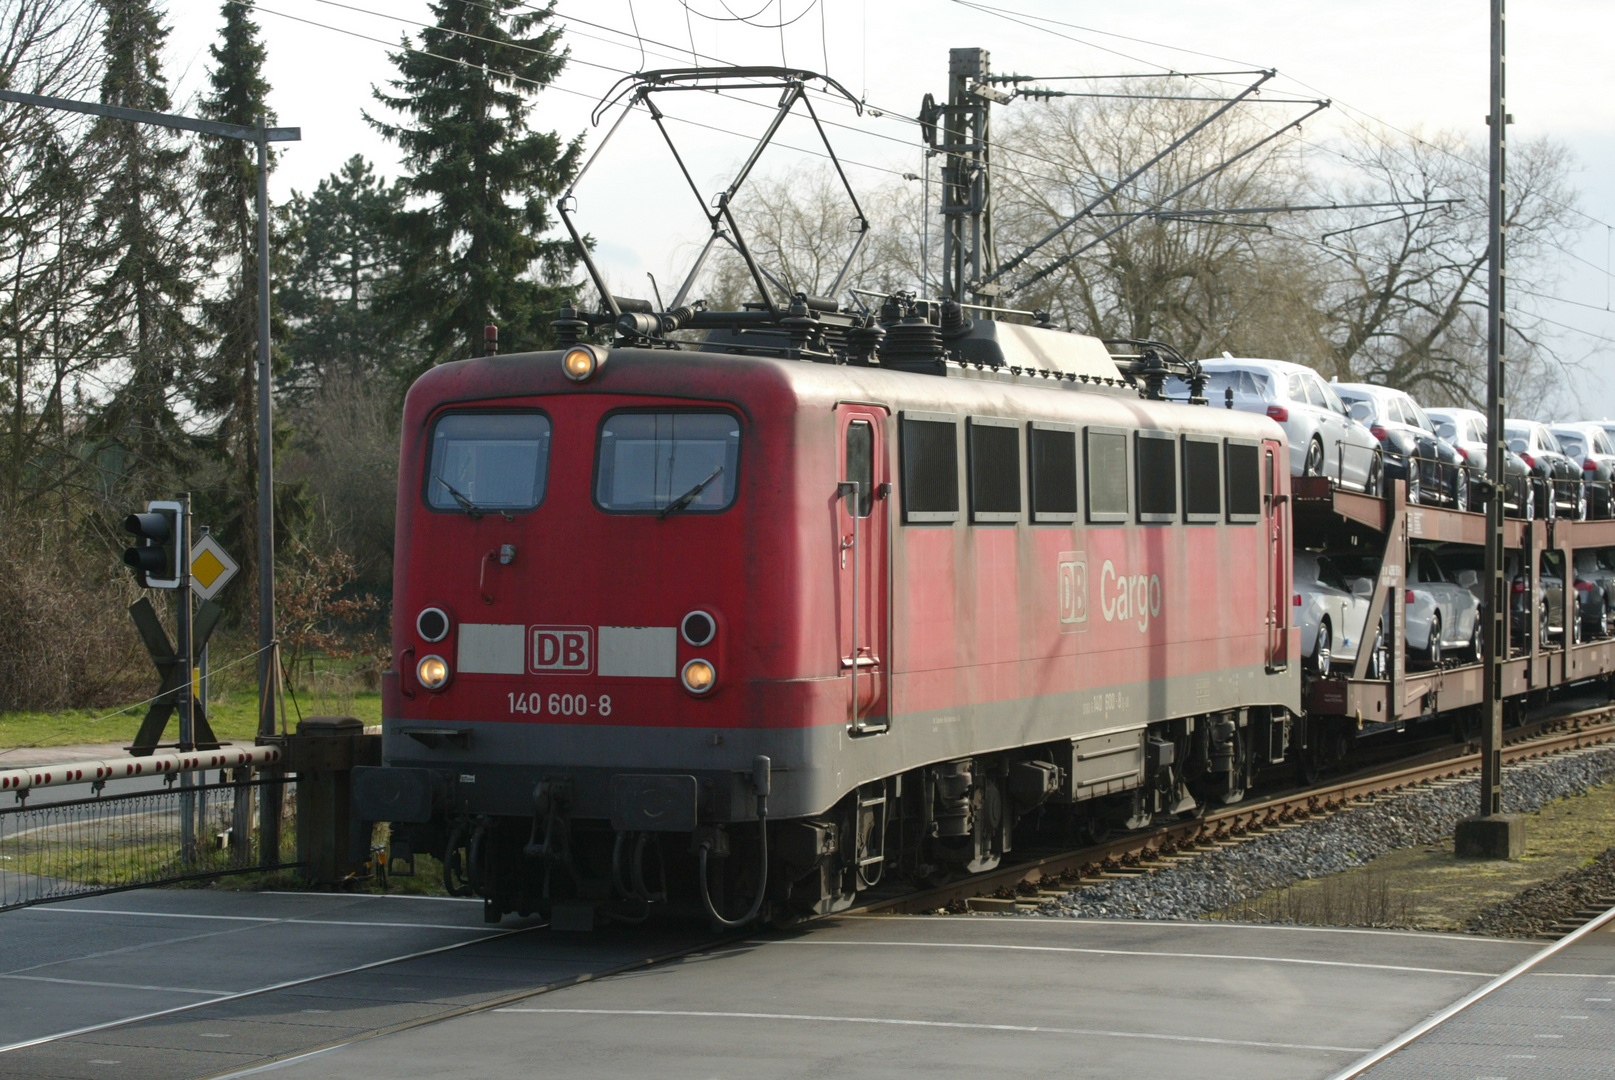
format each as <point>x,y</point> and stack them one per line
<point>1140,852</point>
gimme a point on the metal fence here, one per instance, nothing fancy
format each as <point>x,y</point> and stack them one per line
<point>82,847</point>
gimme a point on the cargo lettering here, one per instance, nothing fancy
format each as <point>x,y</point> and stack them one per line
<point>1129,596</point>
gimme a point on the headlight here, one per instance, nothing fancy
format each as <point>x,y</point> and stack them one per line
<point>432,624</point>
<point>581,362</point>
<point>698,676</point>
<point>698,628</point>
<point>433,672</point>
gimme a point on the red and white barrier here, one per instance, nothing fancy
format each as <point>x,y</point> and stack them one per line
<point>89,772</point>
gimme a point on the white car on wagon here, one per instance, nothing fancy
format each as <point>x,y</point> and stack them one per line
<point>1324,439</point>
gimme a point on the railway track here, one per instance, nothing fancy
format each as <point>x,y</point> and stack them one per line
<point>1031,881</point>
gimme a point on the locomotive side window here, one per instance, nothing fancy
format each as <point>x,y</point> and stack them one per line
<point>485,461</point>
<point>656,462</point>
<point>1202,480</point>
<point>1052,456</point>
<point>1107,475</point>
<point>1244,482</point>
<point>995,469</point>
<point>930,445</point>
<point>1157,476</point>
<point>861,463</point>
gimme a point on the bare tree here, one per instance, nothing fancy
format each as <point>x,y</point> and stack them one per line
<point>1203,281</point>
<point>801,227</point>
<point>47,251</point>
<point>1406,290</point>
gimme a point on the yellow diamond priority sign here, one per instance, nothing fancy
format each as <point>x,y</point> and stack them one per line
<point>211,568</point>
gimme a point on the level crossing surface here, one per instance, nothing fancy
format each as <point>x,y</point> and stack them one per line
<point>1556,1020</point>
<point>870,996</point>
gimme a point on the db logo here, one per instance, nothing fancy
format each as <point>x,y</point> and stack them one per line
<point>563,648</point>
<point>1073,592</point>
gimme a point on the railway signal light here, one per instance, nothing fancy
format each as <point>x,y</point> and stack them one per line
<point>155,558</point>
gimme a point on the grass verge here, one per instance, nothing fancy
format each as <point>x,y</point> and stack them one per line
<point>1430,888</point>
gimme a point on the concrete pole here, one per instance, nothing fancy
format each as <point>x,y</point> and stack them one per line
<point>266,463</point>
<point>269,653</point>
<point>187,722</point>
<point>1491,773</point>
<point>1493,834</point>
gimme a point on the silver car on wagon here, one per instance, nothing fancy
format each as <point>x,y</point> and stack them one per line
<point>1324,439</point>
<point>1333,615</point>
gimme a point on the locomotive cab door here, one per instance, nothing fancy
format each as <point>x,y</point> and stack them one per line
<point>1276,516</point>
<point>862,514</point>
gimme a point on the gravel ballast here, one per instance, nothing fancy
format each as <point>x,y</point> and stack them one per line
<point>1342,841</point>
<point>1536,910</point>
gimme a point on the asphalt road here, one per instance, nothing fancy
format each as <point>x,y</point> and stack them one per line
<point>854,997</point>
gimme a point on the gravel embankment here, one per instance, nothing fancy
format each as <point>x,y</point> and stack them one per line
<point>1327,846</point>
<point>1535,910</point>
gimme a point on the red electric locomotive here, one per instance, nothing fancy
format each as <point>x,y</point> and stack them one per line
<point>760,617</point>
<point>759,622</point>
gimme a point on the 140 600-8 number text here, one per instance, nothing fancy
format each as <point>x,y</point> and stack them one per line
<point>537,704</point>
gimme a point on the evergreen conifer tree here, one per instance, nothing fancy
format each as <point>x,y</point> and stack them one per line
<point>228,385</point>
<point>473,252</point>
<point>142,215</point>
<point>340,257</point>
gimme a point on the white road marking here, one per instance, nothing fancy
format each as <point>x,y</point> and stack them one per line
<point>118,986</point>
<point>895,1022</point>
<point>376,896</point>
<point>270,919</point>
<point>1141,952</point>
<point>1220,924</point>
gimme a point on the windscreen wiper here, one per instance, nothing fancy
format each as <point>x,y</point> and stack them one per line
<point>466,504</point>
<point>688,497</point>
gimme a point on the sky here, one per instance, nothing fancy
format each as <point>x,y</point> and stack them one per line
<point>1420,67</point>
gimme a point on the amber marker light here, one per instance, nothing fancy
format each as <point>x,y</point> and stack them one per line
<point>581,362</point>
<point>698,676</point>
<point>433,672</point>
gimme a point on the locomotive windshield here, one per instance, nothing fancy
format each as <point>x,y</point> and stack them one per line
<point>662,461</point>
<point>488,461</point>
